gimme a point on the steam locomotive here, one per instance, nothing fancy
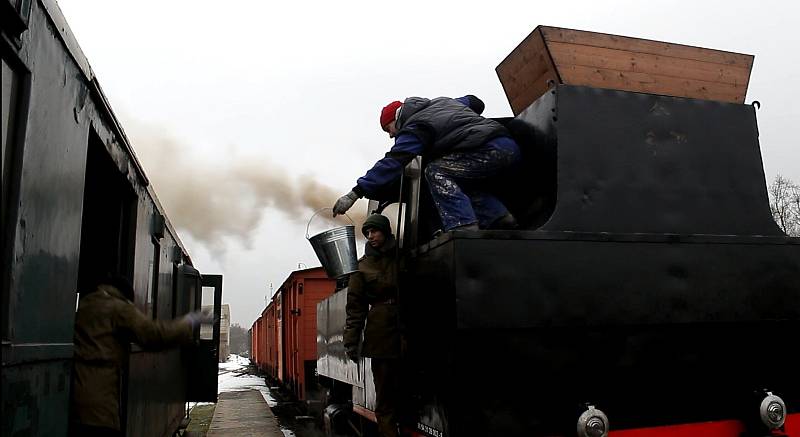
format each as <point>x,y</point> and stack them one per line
<point>77,203</point>
<point>648,292</point>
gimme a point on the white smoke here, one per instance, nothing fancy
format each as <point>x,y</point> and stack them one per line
<point>225,198</point>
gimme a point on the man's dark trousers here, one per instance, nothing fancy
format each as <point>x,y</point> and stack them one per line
<point>386,376</point>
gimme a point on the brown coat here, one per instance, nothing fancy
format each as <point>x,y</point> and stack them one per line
<point>105,325</point>
<point>368,291</point>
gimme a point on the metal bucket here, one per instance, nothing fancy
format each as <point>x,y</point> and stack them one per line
<point>335,248</point>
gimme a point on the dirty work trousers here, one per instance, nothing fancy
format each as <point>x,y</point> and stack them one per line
<point>455,181</point>
<point>386,376</point>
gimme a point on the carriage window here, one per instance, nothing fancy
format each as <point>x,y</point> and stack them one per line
<point>207,329</point>
<point>175,300</point>
<point>15,17</point>
<point>108,224</point>
<point>152,286</point>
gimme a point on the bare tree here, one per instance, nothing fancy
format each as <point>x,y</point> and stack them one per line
<point>240,339</point>
<point>784,202</point>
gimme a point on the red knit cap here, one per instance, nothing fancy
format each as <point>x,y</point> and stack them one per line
<point>388,112</point>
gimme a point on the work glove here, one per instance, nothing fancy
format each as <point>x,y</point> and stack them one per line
<point>344,203</point>
<point>197,318</point>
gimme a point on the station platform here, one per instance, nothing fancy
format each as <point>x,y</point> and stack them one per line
<point>243,413</point>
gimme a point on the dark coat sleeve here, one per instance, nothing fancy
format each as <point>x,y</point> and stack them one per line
<point>152,334</point>
<point>357,309</point>
<point>387,171</point>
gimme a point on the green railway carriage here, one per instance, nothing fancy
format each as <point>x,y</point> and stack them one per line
<point>76,201</point>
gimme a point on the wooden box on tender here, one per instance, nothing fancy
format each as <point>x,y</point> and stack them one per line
<point>552,55</point>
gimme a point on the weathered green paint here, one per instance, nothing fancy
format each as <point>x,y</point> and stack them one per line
<point>30,393</point>
<point>62,109</point>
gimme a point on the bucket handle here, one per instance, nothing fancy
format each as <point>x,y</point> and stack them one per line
<point>319,211</point>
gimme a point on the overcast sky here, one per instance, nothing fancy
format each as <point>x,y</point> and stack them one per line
<point>256,104</point>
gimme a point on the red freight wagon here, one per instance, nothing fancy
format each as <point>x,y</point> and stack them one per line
<point>295,332</point>
<point>269,341</point>
<point>255,348</point>
<point>263,341</point>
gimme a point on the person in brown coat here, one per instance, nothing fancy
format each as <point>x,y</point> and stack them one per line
<point>372,298</point>
<point>106,323</point>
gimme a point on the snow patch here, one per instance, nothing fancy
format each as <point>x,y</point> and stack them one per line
<point>229,380</point>
<point>235,362</point>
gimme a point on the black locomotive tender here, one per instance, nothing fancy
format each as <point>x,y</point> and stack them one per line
<point>649,281</point>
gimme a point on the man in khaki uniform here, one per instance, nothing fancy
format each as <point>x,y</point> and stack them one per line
<point>372,297</point>
<point>106,323</point>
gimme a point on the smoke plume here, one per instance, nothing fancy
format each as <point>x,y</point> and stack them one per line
<point>228,198</point>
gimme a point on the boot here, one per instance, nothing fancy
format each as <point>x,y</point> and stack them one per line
<point>469,227</point>
<point>507,222</point>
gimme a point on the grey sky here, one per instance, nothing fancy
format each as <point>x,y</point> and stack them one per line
<point>296,88</point>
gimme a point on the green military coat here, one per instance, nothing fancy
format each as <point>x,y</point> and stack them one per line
<point>371,299</point>
<point>105,325</point>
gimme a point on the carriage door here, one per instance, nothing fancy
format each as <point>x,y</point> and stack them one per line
<point>203,373</point>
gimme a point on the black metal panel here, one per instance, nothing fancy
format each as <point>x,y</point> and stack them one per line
<point>203,368</point>
<point>631,162</point>
<point>530,283</point>
<point>650,376</point>
<point>653,332</point>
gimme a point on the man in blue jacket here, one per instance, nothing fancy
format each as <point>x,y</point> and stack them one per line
<point>461,149</point>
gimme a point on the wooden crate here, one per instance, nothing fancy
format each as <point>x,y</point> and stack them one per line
<point>551,55</point>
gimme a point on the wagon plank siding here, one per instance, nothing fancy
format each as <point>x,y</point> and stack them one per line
<point>625,60</point>
<point>553,34</point>
<point>651,83</point>
<point>532,62</point>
